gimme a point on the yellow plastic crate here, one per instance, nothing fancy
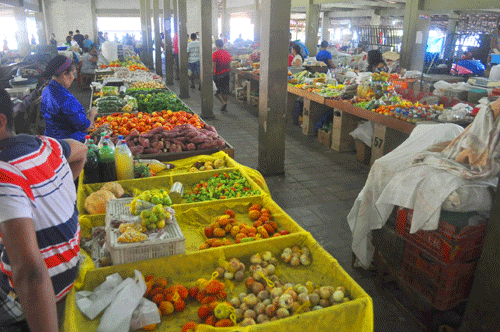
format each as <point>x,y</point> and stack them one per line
<point>355,315</point>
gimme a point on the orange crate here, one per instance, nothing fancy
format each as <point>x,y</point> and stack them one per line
<point>447,243</point>
<point>444,285</point>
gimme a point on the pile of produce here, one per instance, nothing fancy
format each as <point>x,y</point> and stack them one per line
<point>147,85</point>
<point>221,186</point>
<point>181,138</point>
<point>200,166</point>
<point>96,202</point>
<point>263,227</point>
<point>108,91</point>
<point>155,101</point>
<point>125,123</point>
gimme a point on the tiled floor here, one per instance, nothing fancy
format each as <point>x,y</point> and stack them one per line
<point>317,190</point>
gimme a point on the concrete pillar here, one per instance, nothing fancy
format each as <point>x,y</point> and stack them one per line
<point>149,28</point>
<point>273,83</point>
<point>183,56</point>
<point>144,33</point>
<point>325,24</point>
<point>257,22</point>
<point>44,13</point>
<point>40,26</point>
<point>312,25</point>
<point>215,19</point>
<point>156,23</point>
<point>375,20</point>
<point>169,57</point>
<point>226,20</point>
<point>207,72</point>
<point>175,16</point>
<point>95,29</point>
<point>22,38</point>
<point>415,32</point>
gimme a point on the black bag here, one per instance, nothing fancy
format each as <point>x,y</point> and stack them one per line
<point>297,111</point>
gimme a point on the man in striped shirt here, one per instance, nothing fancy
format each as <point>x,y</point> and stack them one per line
<point>39,230</point>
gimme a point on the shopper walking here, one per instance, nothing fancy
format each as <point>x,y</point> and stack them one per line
<point>297,56</point>
<point>324,55</point>
<point>79,38</point>
<point>64,116</point>
<point>100,39</point>
<point>222,66</point>
<point>39,253</point>
<point>175,47</point>
<point>193,50</point>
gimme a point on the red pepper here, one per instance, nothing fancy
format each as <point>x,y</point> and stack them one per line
<point>222,197</point>
<point>233,189</point>
<point>219,185</point>
<point>226,175</point>
<point>196,192</point>
<point>246,189</point>
<point>216,175</point>
<point>205,184</point>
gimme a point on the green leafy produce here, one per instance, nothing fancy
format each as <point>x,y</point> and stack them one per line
<point>221,186</point>
<point>142,171</point>
<point>109,104</point>
<point>159,101</point>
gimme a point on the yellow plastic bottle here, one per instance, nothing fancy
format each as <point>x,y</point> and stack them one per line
<point>124,162</point>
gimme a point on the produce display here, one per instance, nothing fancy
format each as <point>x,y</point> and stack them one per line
<point>159,101</point>
<point>125,123</point>
<point>147,85</point>
<point>221,186</point>
<point>207,166</point>
<point>109,91</point>
<point>184,137</point>
<point>263,227</point>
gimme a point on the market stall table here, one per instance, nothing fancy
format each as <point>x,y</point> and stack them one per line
<point>253,85</point>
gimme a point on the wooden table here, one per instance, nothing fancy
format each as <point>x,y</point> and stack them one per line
<point>389,131</point>
<point>248,76</point>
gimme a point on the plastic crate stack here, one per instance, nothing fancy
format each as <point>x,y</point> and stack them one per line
<point>439,264</point>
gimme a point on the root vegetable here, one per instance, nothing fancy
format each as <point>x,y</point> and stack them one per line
<point>191,147</point>
<point>175,148</point>
<point>136,150</point>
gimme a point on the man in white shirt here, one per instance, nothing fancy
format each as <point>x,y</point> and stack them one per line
<point>193,50</point>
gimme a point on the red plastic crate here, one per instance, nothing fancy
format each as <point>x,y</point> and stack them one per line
<point>444,243</point>
<point>443,275</point>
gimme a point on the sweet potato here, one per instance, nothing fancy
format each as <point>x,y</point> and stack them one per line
<point>211,128</point>
<point>219,142</point>
<point>169,134</point>
<point>144,142</point>
<point>182,139</point>
<point>156,138</point>
<point>181,144</point>
<point>136,150</point>
<point>133,134</point>
<point>207,145</point>
<point>157,145</point>
<point>175,148</point>
<point>200,139</point>
<point>191,147</point>
<point>157,130</point>
<point>148,151</point>
<point>146,135</point>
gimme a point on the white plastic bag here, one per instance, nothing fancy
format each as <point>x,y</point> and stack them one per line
<point>440,86</point>
<point>145,314</point>
<point>495,73</point>
<point>91,304</point>
<point>118,315</point>
<point>364,132</point>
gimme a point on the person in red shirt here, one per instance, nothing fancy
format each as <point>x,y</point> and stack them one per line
<point>222,66</point>
<point>175,46</point>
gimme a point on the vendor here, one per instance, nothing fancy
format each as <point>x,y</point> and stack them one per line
<point>495,41</point>
<point>360,49</point>
<point>325,56</point>
<point>297,57</point>
<point>89,61</point>
<point>376,63</point>
<point>64,116</point>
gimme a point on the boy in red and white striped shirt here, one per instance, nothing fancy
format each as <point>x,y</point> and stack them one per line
<point>39,229</point>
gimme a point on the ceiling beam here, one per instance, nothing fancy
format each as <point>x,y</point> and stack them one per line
<point>430,5</point>
<point>352,13</point>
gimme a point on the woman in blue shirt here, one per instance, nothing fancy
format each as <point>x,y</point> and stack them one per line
<point>64,115</point>
<point>325,56</point>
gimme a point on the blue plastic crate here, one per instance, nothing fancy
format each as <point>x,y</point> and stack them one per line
<point>495,58</point>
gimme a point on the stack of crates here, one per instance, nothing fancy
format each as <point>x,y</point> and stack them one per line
<point>440,264</point>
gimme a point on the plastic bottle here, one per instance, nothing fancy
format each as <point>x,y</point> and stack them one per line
<point>99,144</point>
<point>124,162</point>
<point>110,144</point>
<point>91,168</point>
<point>87,141</point>
<point>94,147</point>
<point>120,139</point>
<point>107,164</point>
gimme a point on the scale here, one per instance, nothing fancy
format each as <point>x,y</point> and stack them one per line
<point>483,82</point>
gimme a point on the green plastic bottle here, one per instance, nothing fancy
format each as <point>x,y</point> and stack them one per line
<point>107,164</point>
<point>91,168</point>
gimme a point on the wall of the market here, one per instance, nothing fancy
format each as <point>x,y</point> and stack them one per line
<point>66,15</point>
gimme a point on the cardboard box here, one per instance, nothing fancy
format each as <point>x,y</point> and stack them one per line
<point>385,140</point>
<point>311,114</point>
<point>325,137</point>
<point>343,124</point>
<point>363,152</point>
